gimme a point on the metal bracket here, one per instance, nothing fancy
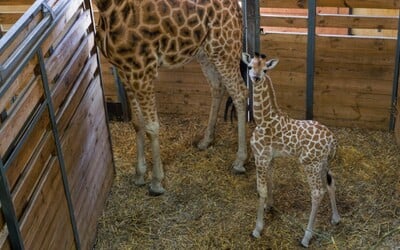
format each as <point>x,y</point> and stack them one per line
<point>47,9</point>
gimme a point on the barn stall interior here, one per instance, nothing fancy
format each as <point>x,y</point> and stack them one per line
<point>351,88</point>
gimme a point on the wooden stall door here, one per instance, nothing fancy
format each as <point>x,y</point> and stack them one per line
<point>55,153</point>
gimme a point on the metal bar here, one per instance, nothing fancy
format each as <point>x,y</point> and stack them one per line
<point>11,68</point>
<point>310,59</point>
<point>59,149</point>
<point>14,65</point>
<point>20,24</point>
<point>395,82</point>
<point>10,216</point>
<point>251,41</point>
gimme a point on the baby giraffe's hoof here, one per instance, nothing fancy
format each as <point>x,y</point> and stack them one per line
<point>304,243</point>
<point>256,234</point>
<point>335,220</point>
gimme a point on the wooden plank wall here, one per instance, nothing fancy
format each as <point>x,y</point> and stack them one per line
<point>353,74</point>
<point>34,171</point>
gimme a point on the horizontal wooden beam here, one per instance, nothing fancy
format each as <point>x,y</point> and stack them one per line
<point>16,2</point>
<point>331,20</point>
<point>378,4</point>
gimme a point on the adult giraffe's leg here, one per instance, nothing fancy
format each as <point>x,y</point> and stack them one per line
<point>237,90</point>
<point>217,91</point>
<point>138,124</point>
<point>143,90</point>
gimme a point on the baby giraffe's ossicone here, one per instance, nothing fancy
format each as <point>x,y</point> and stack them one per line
<point>278,135</point>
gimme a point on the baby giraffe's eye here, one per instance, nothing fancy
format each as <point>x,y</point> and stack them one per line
<point>250,67</point>
<point>265,71</point>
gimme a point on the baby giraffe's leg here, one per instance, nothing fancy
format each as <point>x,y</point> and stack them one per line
<point>270,184</point>
<point>331,191</point>
<point>263,167</point>
<point>317,193</point>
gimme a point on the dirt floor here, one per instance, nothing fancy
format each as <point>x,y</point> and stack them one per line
<point>208,207</point>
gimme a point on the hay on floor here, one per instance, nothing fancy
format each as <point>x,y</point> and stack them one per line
<point>207,207</point>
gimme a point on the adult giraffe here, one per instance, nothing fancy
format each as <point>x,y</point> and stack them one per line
<point>139,36</point>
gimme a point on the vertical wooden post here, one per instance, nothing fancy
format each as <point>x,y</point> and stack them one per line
<point>312,5</point>
<point>251,40</point>
<point>394,115</point>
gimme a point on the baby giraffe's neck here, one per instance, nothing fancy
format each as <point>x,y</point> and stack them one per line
<point>264,102</point>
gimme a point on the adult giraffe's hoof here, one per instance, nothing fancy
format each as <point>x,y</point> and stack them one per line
<point>238,168</point>
<point>139,181</point>
<point>156,190</point>
<point>203,144</point>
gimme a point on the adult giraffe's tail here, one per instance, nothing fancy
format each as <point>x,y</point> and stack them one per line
<point>229,102</point>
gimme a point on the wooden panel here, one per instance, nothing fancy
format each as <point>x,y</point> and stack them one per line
<point>72,71</point>
<point>10,17</point>
<point>87,162</point>
<point>289,77</point>
<point>39,226</point>
<point>109,84</point>
<point>17,167</point>
<point>67,47</point>
<point>353,77</point>
<point>30,178</point>
<point>353,81</point>
<point>20,37</point>
<point>380,29</point>
<point>63,25</point>
<point>12,126</point>
<point>72,101</point>
<point>16,90</point>
<point>183,90</point>
<point>379,4</point>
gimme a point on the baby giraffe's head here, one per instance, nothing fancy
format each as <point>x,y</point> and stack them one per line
<point>258,65</point>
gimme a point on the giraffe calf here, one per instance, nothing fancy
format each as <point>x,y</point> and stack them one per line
<point>278,135</point>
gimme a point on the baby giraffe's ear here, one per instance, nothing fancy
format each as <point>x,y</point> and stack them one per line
<point>246,58</point>
<point>270,64</point>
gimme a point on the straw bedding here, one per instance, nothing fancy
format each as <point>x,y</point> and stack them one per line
<point>208,207</point>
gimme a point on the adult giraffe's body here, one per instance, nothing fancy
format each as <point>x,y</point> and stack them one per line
<point>139,36</point>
